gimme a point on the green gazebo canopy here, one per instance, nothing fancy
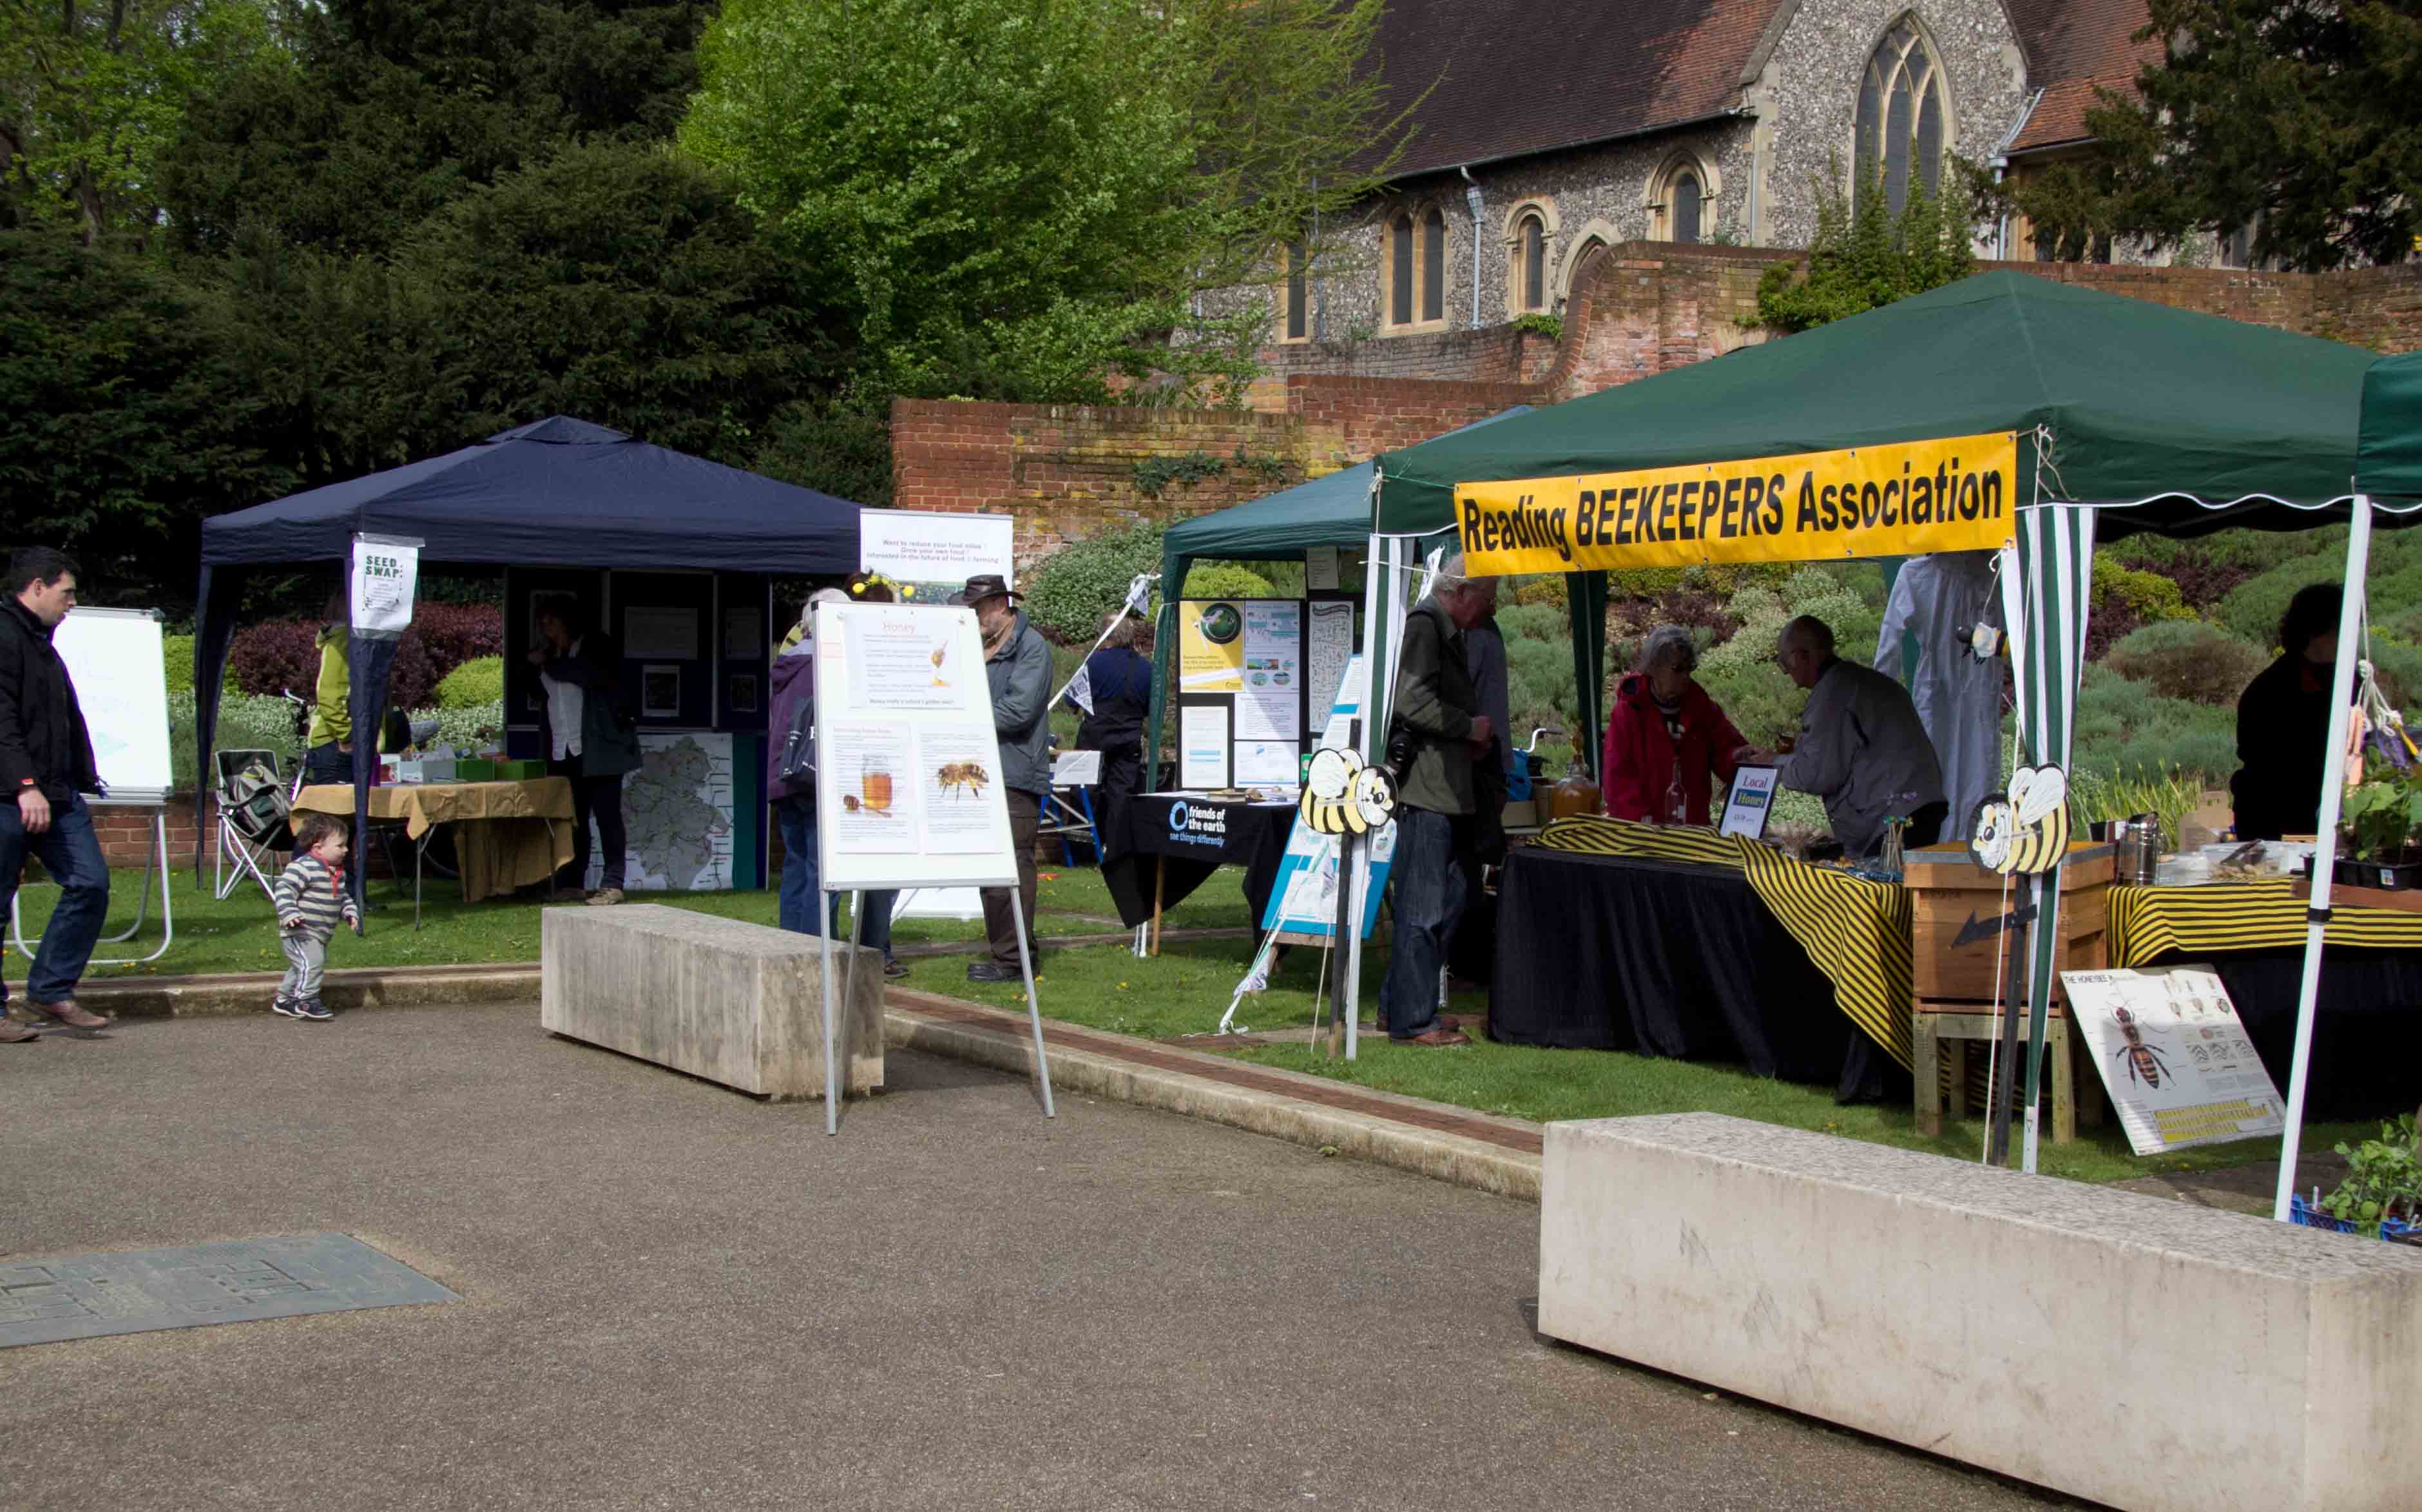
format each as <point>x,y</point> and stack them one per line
<point>2388,450</point>
<point>2193,422</point>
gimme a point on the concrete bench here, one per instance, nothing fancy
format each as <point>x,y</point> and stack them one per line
<point>734,1002</point>
<point>2132,1349</point>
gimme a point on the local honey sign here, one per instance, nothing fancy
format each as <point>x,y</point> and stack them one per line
<point>1897,499</point>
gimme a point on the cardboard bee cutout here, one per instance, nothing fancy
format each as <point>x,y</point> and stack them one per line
<point>1341,795</point>
<point>2023,832</point>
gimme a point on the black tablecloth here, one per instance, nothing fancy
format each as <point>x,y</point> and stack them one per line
<point>1195,837</point>
<point>2366,1025</point>
<point>1667,959</point>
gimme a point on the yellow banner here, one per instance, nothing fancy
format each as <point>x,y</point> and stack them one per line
<point>1893,500</point>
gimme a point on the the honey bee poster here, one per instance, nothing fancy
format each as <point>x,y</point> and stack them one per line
<point>2174,1057</point>
<point>908,789</point>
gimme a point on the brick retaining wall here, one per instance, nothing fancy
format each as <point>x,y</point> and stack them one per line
<point>1644,307</point>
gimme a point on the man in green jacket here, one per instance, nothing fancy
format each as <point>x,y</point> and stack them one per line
<point>1435,733</point>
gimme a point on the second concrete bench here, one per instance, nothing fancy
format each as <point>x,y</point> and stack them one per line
<point>2139,1351</point>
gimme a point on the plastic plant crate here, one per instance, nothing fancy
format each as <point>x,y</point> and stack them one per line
<point>2310,1216</point>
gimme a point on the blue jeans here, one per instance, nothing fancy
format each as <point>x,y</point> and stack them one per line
<point>1429,885</point>
<point>70,852</point>
<point>795,816</point>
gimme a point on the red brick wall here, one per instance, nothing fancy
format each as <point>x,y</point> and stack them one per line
<point>125,833</point>
<point>1067,471</point>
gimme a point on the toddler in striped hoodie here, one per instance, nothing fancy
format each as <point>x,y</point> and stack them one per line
<point>311,898</point>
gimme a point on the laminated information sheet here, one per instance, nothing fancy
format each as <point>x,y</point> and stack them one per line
<point>2174,1057</point>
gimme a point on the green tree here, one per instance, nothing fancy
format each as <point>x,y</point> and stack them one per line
<point>91,93</point>
<point>120,423</point>
<point>2300,122</point>
<point>623,284</point>
<point>1012,198</point>
<point>1865,257</point>
<point>378,112</point>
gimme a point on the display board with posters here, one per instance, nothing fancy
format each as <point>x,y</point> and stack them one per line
<point>932,554</point>
<point>2174,1057</point>
<point>1244,687</point>
<point>908,774</point>
<point>908,789</point>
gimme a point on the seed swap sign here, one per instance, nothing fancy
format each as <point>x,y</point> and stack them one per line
<point>1897,499</point>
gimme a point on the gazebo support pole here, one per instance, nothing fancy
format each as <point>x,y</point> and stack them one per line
<point>2325,849</point>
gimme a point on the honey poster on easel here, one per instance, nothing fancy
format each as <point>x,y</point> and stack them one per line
<point>908,791</point>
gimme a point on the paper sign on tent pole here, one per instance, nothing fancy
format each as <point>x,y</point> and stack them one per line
<point>908,777</point>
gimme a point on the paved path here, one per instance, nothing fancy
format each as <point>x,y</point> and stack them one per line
<point>680,1299</point>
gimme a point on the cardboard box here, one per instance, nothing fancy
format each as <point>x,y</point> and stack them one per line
<point>475,769</point>
<point>520,771</point>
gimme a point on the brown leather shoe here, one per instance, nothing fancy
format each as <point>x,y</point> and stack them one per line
<point>13,1032</point>
<point>66,1012</point>
<point>1437,1036</point>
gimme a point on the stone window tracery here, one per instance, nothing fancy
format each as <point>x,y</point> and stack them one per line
<point>1904,118</point>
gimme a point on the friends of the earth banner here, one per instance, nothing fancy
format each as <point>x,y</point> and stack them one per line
<point>1897,499</point>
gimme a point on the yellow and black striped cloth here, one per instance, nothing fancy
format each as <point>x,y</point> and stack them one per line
<point>2146,923</point>
<point>1855,931</point>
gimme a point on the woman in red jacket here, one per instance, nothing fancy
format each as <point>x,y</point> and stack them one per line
<point>1667,744</point>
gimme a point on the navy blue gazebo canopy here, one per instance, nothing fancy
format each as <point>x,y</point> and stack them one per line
<point>557,492</point>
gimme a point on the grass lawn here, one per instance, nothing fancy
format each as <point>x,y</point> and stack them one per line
<point>240,934</point>
<point>1183,992</point>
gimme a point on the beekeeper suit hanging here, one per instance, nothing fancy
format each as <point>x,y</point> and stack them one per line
<point>1941,600</point>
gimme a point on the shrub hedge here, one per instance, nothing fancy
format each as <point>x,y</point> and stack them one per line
<point>2188,659</point>
<point>478,681</point>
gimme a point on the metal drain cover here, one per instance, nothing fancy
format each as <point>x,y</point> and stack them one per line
<point>86,1296</point>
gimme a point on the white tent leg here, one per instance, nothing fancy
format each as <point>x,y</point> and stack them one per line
<point>2325,851</point>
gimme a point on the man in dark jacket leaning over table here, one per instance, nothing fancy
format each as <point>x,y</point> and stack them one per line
<point>1017,664</point>
<point>46,766</point>
<point>1435,734</point>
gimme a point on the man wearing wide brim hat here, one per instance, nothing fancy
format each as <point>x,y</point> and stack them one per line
<point>1017,664</point>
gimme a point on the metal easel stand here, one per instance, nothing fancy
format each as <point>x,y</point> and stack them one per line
<point>836,1054</point>
<point>156,864</point>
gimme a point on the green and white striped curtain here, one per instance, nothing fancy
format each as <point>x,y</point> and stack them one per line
<point>2047,579</point>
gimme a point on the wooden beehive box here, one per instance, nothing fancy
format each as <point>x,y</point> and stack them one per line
<point>1948,892</point>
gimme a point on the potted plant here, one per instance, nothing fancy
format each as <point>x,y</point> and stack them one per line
<point>2382,1194</point>
<point>2376,830</point>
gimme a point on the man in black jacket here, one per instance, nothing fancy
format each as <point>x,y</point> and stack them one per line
<point>46,766</point>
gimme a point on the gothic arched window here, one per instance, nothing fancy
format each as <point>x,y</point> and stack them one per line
<point>1904,117</point>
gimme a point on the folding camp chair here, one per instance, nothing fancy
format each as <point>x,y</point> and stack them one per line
<point>1073,771</point>
<point>254,805</point>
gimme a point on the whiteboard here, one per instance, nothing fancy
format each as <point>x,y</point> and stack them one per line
<point>122,682</point>
<point>908,778</point>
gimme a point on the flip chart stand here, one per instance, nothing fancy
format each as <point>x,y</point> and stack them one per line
<point>836,1024</point>
<point>154,865</point>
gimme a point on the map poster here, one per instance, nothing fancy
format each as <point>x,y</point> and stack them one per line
<point>955,765</point>
<point>2174,1057</point>
<point>676,811</point>
<point>1210,646</point>
<point>875,787</point>
<point>1329,645</point>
